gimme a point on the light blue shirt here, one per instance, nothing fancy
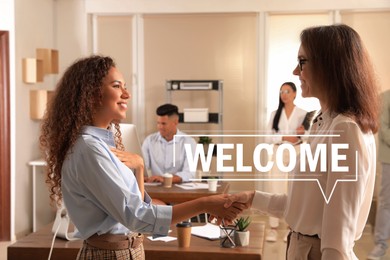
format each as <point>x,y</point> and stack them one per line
<point>101,194</point>
<point>158,155</point>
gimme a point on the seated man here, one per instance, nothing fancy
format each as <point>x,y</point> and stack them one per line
<point>157,148</point>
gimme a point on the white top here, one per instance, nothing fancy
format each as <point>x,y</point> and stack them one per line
<point>286,125</point>
<point>341,221</point>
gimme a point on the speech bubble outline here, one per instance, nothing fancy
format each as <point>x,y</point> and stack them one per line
<point>327,200</point>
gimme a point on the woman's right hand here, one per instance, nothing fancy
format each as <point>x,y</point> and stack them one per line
<point>300,130</point>
<point>131,160</point>
<point>290,139</point>
<point>134,162</point>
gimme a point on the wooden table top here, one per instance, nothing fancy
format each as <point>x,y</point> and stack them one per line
<point>202,248</point>
<point>177,195</point>
<point>37,246</point>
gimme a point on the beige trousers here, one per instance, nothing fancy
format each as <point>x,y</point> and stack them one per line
<point>301,247</point>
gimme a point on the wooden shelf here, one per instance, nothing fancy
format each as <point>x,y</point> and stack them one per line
<point>213,118</point>
<point>32,70</point>
<point>38,103</point>
<point>50,60</point>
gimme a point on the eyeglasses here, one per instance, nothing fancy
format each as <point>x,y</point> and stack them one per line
<point>301,62</point>
<point>286,91</point>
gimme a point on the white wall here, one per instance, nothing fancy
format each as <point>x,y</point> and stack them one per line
<point>65,25</point>
<point>39,24</point>
<point>71,33</point>
<point>33,29</point>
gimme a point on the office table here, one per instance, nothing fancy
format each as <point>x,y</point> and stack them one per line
<point>178,195</point>
<point>37,246</point>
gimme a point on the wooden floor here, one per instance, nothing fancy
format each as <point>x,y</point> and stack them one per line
<point>276,250</point>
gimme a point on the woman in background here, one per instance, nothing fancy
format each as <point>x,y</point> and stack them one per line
<point>105,199</point>
<point>327,208</point>
<point>286,120</point>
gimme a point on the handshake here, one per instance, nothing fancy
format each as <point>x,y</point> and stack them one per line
<point>228,206</point>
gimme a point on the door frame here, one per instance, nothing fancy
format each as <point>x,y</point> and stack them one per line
<point>5,136</point>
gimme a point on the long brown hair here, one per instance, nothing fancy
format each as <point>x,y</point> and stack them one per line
<point>73,106</point>
<point>343,66</point>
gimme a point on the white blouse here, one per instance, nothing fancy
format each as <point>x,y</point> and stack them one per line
<point>338,211</point>
<point>286,125</point>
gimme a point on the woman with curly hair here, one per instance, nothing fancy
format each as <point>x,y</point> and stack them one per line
<point>327,207</point>
<point>105,199</point>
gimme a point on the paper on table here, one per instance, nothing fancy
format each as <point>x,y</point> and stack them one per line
<point>193,186</point>
<point>152,183</point>
<point>208,231</point>
<point>164,239</point>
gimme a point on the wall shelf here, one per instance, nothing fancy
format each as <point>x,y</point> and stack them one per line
<point>213,118</point>
<point>38,103</point>
<point>50,60</point>
<point>32,70</point>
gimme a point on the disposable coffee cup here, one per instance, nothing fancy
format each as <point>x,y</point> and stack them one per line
<point>183,234</point>
<point>167,180</point>
<point>212,184</point>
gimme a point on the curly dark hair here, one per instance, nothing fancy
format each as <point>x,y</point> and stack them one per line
<point>72,106</point>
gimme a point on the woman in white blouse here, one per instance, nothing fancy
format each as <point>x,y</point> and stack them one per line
<point>327,205</point>
<point>288,118</point>
<point>285,124</point>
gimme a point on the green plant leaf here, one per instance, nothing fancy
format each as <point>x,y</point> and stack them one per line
<point>205,140</point>
<point>242,223</point>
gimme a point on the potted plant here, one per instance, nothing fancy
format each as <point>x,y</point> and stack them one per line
<point>205,140</point>
<point>241,235</point>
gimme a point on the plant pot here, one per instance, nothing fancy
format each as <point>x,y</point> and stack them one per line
<point>241,238</point>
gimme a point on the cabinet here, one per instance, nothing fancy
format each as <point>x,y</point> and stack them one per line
<point>214,117</point>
